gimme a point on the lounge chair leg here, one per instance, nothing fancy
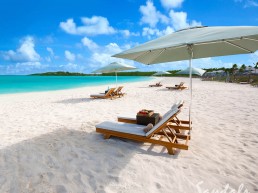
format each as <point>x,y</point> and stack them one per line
<point>107,136</point>
<point>170,150</point>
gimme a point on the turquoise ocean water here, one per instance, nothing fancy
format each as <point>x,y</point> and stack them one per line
<point>19,84</point>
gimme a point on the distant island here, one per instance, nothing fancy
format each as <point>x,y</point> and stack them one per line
<point>59,73</point>
<point>131,73</point>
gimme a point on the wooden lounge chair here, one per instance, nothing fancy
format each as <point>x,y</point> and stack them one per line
<point>160,134</point>
<point>178,87</point>
<point>118,92</point>
<point>177,124</point>
<point>109,94</point>
<point>156,85</point>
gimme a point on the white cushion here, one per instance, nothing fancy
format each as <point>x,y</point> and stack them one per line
<point>122,127</point>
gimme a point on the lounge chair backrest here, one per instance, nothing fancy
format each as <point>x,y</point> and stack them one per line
<point>110,91</point>
<point>174,107</point>
<point>178,104</point>
<point>119,89</point>
<point>165,119</point>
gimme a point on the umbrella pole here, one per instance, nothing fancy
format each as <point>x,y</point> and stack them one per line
<point>116,79</point>
<point>190,50</point>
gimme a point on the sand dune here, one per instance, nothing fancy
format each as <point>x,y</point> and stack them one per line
<point>49,144</point>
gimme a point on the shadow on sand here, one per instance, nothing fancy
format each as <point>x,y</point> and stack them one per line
<point>66,161</point>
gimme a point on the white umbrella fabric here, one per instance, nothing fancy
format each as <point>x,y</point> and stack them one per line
<point>196,71</point>
<point>114,67</point>
<point>197,42</point>
<point>161,73</point>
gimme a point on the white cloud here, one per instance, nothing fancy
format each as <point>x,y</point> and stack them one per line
<point>69,56</point>
<point>253,58</point>
<point>251,3</point>
<point>50,50</point>
<point>69,66</point>
<point>102,56</point>
<point>247,3</point>
<point>48,59</point>
<point>112,48</point>
<point>29,64</point>
<point>95,25</point>
<point>79,56</point>
<point>23,68</point>
<point>210,63</point>
<point>25,53</point>
<point>179,20</point>
<point>69,26</point>
<point>150,32</point>
<point>126,33</point>
<point>89,43</point>
<point>151,16</point>
<point>171,3</point>
<point>167,31</point>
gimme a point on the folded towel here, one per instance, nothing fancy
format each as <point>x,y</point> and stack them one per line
<point>148,128</point>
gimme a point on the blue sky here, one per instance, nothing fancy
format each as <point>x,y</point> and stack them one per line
<point>81,36</point>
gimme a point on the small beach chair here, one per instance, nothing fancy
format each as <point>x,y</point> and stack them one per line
<point>110,94</point>
<point>160,134</point>
<point>178,87</point>
<point>118,92</point>
<point>156,85</point>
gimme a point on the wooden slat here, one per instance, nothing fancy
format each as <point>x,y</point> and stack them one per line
<point>178,127</point>
<point>182,121</point>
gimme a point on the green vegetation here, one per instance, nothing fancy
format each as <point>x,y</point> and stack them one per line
<point>236,74</point>
<point>130,73</point>
<point>59,73</point>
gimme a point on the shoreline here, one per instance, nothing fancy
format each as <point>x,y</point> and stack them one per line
<point>78,86</point>
<point>48,140</point>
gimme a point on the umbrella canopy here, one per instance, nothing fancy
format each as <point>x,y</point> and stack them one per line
<point>160,73</point>
<point>192,43</point>
<point>201,41</point>
<point>114,67</point>
<point>196,71</point>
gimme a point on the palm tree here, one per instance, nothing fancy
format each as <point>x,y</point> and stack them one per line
<point>235,66</point>
<point>234,69</point>
<point>242,68</point>
<point>249,73</point>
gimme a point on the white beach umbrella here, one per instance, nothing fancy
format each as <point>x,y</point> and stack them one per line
<point>160,73</point>
<point>192,43</point>
<point>196,71</point>
<point>114,67</point>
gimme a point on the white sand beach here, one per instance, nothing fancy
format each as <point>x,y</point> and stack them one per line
<point>49,144</point>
